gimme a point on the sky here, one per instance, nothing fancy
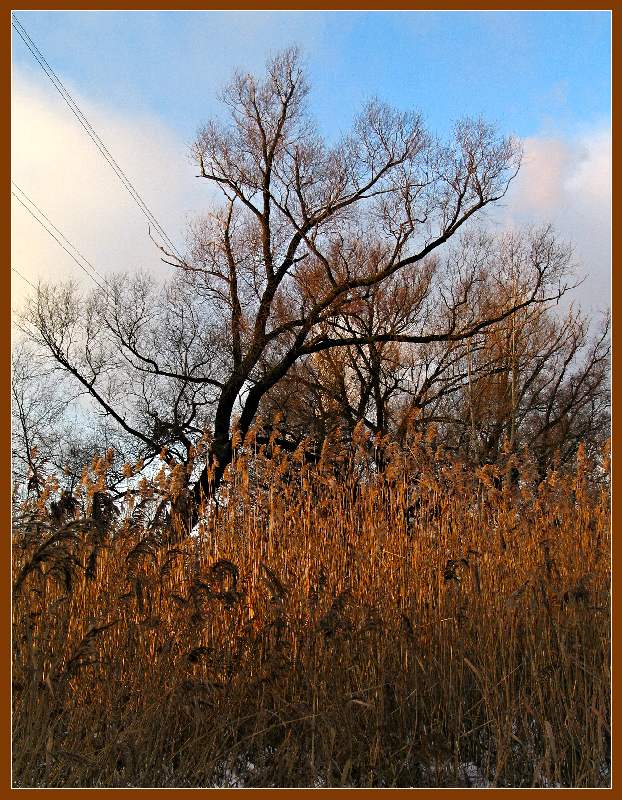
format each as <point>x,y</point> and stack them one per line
<point>147,80</point>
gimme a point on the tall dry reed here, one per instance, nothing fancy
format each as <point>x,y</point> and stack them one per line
<point>326,625</point>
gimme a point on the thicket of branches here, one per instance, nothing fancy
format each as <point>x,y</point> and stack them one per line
<point>332,284</point>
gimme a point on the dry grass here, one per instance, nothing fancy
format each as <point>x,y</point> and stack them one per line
<point>366,630</point>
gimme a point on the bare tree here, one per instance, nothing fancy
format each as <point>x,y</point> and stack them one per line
<point>481,390</point>
<point>37,404</point>
<point>54,434</point>
<point>551,390</point>
<point>304,233</point>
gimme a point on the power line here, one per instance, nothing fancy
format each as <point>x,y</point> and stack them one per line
<point>60,233</point>
<point>17,272</point>
<point>60,244</point>
<point>76,111</point>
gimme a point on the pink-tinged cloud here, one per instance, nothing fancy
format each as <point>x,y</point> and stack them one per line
<point>567,181</point>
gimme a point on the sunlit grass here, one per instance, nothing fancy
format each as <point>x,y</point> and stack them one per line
<point>325,626</point>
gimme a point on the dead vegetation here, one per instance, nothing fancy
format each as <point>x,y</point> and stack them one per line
<point>362,629</point>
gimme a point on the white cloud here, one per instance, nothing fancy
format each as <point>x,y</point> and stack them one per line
<point>59,167</point>
<point>567,181</point>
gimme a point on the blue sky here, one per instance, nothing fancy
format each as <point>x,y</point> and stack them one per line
<point>147,80</point>
<point>527,70</point>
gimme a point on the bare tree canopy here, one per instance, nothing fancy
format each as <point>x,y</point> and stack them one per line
<point>538,378</point>
<point>314,248</point>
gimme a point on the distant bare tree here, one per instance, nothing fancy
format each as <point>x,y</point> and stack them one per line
<point>53,434</point>
<point>37,403</point>
<point>482,392</point>
<point>549,390</point>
